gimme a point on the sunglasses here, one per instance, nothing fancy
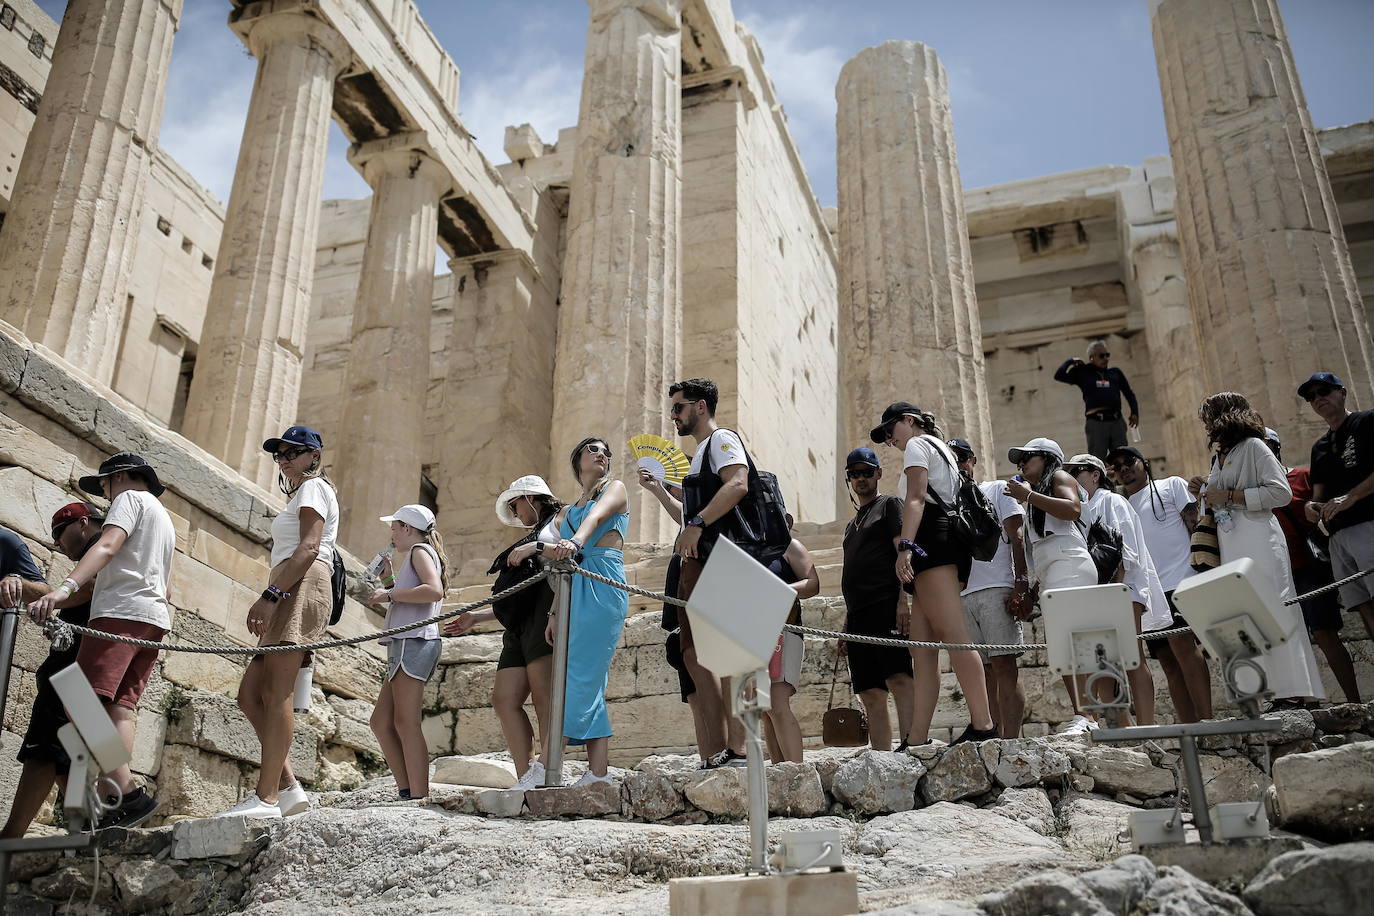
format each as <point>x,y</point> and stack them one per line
<point>1120,465</point>
<point>597,449</point>
<point>1101,355</point>
<point>290,454</point>
<point>856,473</point>
<point>680,406</point>
<point>1317,393</point>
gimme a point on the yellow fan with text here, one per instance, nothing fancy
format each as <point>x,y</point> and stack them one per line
<point>662,458</point>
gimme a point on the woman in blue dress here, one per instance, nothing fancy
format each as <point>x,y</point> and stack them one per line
<point>595,527</point>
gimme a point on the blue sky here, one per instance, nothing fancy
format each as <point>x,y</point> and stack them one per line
<point>1037,87</point>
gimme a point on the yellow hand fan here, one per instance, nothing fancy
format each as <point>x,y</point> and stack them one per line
<point>662,458</point>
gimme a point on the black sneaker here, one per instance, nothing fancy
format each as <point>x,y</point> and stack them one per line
<point>976,734</point>
<point>901,748</point>
<point>136,808</point>
<point>725,758</point>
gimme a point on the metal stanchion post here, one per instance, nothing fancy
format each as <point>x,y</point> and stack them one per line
<point>1197,794</point>
<point>752,714</point>
<point>9,621</point>
<point>553,772</point>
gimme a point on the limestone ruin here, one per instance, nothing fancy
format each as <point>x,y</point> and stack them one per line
<point>137,312</point>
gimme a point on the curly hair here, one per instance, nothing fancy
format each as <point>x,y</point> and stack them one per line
<point>1230,420</point>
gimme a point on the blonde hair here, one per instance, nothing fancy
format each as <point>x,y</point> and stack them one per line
<point>435,540</point>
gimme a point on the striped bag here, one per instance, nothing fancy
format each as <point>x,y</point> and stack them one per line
<point>1205,548</point>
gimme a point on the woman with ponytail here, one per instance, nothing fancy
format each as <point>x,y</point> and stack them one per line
<point>413,655</point>
<point>931,565</point>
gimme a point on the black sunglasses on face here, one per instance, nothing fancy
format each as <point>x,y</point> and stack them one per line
<point>1317,393</point>
<point>290,454</point>
<point>855,473</point>
<point>1102,355</point>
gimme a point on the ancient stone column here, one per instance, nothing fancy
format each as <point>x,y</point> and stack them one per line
<point>70,234</point>
<point>619,324</point>
<point>380,447</point>
<point>1269,274</point>
<point>248,369</point>
<point>1172,336</point>
<point>497,413</point>
<point>909,326</point>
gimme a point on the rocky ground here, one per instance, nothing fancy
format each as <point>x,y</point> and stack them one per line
<point>1001,829</point>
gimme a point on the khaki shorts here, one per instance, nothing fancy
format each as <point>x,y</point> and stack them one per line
<point>1352,550</point>
<point>302,618</point>
<point>989,622</point>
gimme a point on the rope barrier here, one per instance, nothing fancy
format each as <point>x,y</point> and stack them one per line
<point>60,629</point>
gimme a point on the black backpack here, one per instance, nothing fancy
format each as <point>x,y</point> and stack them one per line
<point>972,519</point>
<point>338,586</point>
<point>757,524</point>
<point>1107,548</point>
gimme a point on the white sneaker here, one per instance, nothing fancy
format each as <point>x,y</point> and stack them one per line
<point>533,778</point>
<point>252,806</point>
<point>590,778</point>
<point>1078,725</point>
<point>293,800</point>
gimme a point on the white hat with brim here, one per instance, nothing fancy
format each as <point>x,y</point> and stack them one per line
<point>417,517</point>
<point>1037,446</point>
<point>1087,461</point>
<point>529,485</point>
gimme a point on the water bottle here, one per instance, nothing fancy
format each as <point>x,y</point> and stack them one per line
<point>373,573</point>
<point>1135,434</point>
<point>1223,516</point>
<point>300,697</point>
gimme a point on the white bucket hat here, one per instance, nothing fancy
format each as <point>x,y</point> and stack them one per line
<point>529,485</point>
<point>1036,445</point>
<point>417,517</point>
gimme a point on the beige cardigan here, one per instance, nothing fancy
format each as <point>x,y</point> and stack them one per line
<point>1251,467</point>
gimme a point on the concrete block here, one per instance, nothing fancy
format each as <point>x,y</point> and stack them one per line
<point>235,838</point>
<point>827,894</point>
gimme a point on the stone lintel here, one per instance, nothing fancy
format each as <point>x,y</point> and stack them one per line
<point>507,256</point>
<point>410,151</point>
<point>724,77</point>
<point>1115,322</point>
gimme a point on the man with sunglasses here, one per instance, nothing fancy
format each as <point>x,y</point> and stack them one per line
<point>1343,488</point>
<point>1102,387</point>
<point>874,602</point>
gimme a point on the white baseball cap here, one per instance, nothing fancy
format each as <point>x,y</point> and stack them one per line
<point>1038,445</point>
<point>1087,461</point>
<point>529,485</point>
<point>417,517</point>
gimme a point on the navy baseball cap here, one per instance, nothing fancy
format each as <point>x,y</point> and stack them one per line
<point>303,436</point>
<point>862,455</point>
<point>961,448</point>
<point>1329,379</point>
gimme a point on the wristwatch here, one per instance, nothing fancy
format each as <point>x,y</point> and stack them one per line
<point>696,521</point>
<point>904,545</point>
<point>538,546</point>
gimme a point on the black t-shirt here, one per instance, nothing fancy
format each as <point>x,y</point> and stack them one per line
<point>1341,459</point>
<point>869,581</point>
<point>15,558</point>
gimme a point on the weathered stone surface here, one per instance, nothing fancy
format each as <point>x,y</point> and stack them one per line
<point>487,772</point>
<point>74,879</point>
<point>352,726</point>
<point>878,782</point>
<point>652,796</point>
<point>480,647</point>
<point>595,800</point>
<point>234,838</point>
<point>501,802</point>
<point>1176,891</point>
<point>1022,761</point>
<point>349,672</point>
<point>196,783</point>
<point>214,722</point>
<point>1028,807</point>
<point>958,774</point>
<point>468,686</point>
<point>1231,779</point>
<point>338,769</point>
<point>794,790</point>
<point>1094,826</point>
<point>723,791</point>
<point>1114,889</point>
<point>1327,793</point>
<point>1345,717</point>
<point>1119,769</point>
<point>1294,725</point>
<point>1339,879</point>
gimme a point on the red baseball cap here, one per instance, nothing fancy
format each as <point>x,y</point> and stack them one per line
<point>73,512</point>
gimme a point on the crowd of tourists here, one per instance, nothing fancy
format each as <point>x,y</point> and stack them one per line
<point>906,573</point>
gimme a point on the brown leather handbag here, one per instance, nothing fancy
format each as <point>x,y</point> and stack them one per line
<point>842,726</point>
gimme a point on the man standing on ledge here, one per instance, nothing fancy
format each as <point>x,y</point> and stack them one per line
<point>1102,388</point>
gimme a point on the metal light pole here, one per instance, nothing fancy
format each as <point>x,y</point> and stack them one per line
<point>553,768</point>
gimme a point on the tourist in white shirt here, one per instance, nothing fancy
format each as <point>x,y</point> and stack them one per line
<point>932,564</point>
<point>294,609</point>
<point>1167,516</point>
<point>1137,569</point>
<point>130,565</point>
<point>993,590</point>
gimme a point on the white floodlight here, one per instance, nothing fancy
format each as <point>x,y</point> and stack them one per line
<point>1090,633</point>
<point>738,608</point>
<point>91,721</point>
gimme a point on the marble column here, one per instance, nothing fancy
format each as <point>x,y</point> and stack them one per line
<point>380,446</point>
<point>909,325</point>
<point>248,368</point>
<point>1153,252</point>
<point>497,412</point>
<point>619,325</point>
<point>1269,274</point>
<point>69,236</point>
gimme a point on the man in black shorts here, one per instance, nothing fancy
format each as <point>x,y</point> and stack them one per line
<point>873,600</point>
<point>75,527</point>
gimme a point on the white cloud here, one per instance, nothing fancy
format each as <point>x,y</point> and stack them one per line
<point>530,89</point>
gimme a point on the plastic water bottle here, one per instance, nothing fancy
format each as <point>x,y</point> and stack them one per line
<point>300,697</point>
<point>1135,433</point>
<point>373,573</point>
<point>1224,520</point>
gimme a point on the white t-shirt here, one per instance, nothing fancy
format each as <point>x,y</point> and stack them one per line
<point>726,449</point>
<point>133,585</point>
<point>286,527</point>
<point>926,451</point>
<point>1113,511</point>
<point>1165,532</point>
<point>999,571</point>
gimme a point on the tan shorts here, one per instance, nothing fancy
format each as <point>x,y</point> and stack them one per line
<point>303,617</point>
